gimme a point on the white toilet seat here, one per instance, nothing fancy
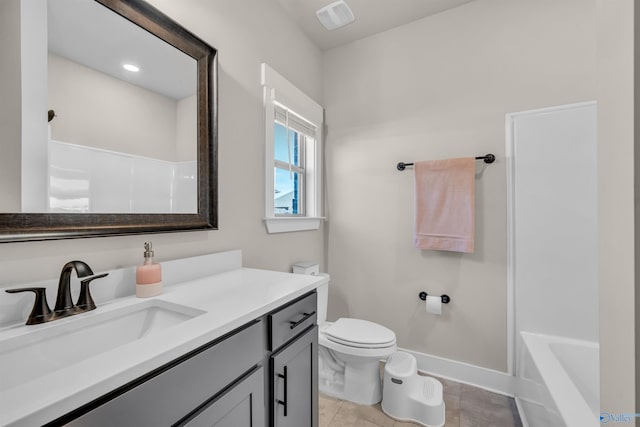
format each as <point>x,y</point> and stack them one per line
<point>356,337</point>
<point>360,333</point>
<point>361,345</point>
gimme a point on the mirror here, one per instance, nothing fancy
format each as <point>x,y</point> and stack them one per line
<point>122,152</point>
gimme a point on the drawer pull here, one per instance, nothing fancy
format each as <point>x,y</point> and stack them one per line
<point>284,402</point>
<point>306,316</point>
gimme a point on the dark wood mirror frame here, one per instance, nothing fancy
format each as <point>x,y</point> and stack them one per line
<point>16,227</point>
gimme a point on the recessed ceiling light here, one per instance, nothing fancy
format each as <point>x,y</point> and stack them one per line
<point>131,67</point>
<point>335,15</point>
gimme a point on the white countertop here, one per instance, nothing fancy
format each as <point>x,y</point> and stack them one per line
<point>230,300</point>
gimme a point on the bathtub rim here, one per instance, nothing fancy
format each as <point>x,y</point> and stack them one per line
<point>572,406</point>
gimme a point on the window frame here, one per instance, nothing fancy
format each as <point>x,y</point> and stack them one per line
<point>279,91</point>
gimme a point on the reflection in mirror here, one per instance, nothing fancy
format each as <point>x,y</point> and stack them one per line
<point>132,142</point>
<point>123,139</point>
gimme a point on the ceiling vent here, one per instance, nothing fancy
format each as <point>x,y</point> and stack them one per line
<point>335,15</point>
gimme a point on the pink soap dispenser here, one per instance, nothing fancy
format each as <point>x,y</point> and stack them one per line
<point>148,275</point>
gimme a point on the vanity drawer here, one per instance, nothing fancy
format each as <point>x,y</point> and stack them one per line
<point>288,322</point>
<point>166,395</point>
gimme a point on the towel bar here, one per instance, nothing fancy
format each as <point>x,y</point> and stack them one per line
<point>488,158</point>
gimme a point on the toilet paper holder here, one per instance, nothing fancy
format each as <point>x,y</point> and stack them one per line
<point>444,297</point>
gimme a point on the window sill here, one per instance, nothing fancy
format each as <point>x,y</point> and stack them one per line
<point>289,224</point>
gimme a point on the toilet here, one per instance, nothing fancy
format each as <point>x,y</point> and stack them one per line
<point>349,356</point>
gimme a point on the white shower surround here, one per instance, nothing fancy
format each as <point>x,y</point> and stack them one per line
<point>102,181</point>
<point>552,265</point>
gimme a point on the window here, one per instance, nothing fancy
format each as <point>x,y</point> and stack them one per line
<point>289,145</point>
<point>293,129</point>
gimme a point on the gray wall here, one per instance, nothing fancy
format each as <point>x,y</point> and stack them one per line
<point>437,88</point>
<point>465,68</point>
<point>246,34</point>
<point>98,110</point>
<point>10,108</point>
<point>617,197</point>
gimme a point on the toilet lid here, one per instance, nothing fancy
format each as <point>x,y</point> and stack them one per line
<point>360,333</point>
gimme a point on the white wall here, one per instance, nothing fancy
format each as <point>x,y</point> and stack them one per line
<point>555,223</point>
<point>246,34</point>
<point>437,88</point>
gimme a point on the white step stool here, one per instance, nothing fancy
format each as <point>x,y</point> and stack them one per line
<point>407,396</point>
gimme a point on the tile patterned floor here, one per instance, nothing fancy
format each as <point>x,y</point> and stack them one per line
<point>466,406</point>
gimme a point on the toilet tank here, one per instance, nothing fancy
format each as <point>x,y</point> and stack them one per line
<point>323,298</point>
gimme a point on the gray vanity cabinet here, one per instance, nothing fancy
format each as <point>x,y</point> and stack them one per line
<point>188,389</point>
<point>265,372</point>
<point>242,406</point>
<point>295,382</point>
<point>294,364</point>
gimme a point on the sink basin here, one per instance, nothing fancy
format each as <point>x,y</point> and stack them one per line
<point>59,345</point>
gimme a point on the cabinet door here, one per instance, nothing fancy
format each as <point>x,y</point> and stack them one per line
<point>294,382</point>
<point>241,406</point>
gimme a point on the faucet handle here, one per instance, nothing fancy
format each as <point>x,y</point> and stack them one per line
<point>41,312</point>
<point>85,302</point>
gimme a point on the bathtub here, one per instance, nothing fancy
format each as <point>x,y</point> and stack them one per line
<point>558,381</point>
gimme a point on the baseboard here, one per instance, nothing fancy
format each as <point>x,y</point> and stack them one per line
<point>521,412</point>
<point>488,379</point>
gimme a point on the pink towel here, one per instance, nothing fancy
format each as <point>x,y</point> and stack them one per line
<point>445,202</point>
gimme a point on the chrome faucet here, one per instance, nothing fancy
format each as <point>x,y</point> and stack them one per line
<point>41,312</point>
